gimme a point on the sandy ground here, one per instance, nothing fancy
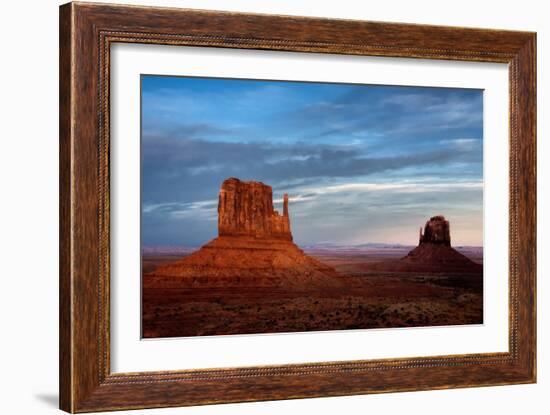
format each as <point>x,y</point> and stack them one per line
<point>379,300</point>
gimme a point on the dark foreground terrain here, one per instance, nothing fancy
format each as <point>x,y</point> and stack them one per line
<point>366,299</point>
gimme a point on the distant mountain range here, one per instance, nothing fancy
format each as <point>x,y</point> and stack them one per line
<point>321,246</point>
<point>167,249</point>
<point>368,245</point>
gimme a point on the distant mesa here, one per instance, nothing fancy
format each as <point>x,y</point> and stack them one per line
<point>254,247</point>
<point>433,254</point>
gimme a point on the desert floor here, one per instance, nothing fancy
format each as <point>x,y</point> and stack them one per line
<point>367,300</point>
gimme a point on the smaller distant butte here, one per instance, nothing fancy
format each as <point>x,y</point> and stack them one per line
<point>433,254</point>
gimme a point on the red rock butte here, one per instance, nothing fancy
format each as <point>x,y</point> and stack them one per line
<point>254,247</point>
<point>433,254</point>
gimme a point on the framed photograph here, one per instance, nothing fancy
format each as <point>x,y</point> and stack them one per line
<point>258,207</point>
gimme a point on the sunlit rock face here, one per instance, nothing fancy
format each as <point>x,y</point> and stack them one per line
<point>246,209</point>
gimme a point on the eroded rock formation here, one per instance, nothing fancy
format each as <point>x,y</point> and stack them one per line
<point>254,247</point>
<point>246,209</point>
<point>433,254</point>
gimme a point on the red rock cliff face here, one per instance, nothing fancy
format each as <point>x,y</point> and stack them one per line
<point>246,209</point>
<point>436,231</point>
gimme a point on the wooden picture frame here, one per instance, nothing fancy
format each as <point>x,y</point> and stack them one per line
<point>86,33</point>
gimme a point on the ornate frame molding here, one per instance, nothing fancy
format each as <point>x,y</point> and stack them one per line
<point>87,32</point>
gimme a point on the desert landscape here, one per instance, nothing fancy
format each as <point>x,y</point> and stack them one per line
<point>253,278</point>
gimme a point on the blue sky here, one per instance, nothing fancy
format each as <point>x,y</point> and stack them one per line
<point>361,163</point>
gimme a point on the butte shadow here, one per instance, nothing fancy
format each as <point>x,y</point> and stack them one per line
<point>254,247</point>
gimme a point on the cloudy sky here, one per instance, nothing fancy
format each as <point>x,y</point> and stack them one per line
<point>361,163</point>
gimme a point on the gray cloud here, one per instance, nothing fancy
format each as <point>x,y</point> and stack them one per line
<point>200,162</point>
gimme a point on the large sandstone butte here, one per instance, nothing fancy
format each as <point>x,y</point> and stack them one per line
<point>433,254</point>
<point>254,247</point>
<point>246,209</point>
